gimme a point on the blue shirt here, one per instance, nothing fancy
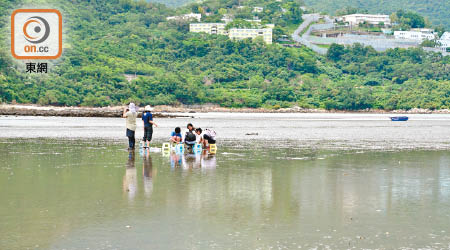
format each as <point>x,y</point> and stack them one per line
<point>176,134</point>
<point>147,117</point>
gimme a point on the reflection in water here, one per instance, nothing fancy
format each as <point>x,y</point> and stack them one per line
<point>175,160</point>
<point>208,161</point>
<point>202,160</point>
<point>130,180</point>
<point>147,171</point>
<point>191,161</point>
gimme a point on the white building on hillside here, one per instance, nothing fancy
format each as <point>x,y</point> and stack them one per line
<point>254,20</point>
<point>444,43</point>
<point>416,34</point>
<point>210,28</point>
<point>356,19</point>
<point>445,36</point>
<point>227,18</point>
<point>258,9</point>
<point>265,33</point>
<point>234,33</point>
<point>190,16</point>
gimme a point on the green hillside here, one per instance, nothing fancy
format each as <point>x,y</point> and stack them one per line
<point>110,38</point>
<point>437,11</point>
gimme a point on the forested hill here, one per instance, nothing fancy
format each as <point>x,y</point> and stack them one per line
<point>106,39</point>
<point>437,11</point>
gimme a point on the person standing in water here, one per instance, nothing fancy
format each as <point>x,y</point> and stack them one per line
<point>130,114</point>
<point>147,118</point>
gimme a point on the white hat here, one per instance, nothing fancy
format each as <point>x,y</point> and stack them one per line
<point>148,108</point>
<point>132,107</point>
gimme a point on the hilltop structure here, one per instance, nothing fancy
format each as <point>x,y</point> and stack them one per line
<point>445,36</point>
<point>416,34</point>
<point>258,9</point>
<point>227,18</point>
<point>323,30</point>
<point>190,16</point>
<point>444,43</point>
<point>356,19</point>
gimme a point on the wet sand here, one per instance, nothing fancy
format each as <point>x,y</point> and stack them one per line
<point>296,131</point>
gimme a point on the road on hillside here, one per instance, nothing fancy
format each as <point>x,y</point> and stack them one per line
<point>303,39</point>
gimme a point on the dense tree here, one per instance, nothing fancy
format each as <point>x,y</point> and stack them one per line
<point>335,52</point>
<point>108,39</point>
<point>408,19</point>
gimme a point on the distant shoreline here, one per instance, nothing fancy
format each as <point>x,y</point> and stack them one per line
<point>167,111</point>
<point>36,110</point>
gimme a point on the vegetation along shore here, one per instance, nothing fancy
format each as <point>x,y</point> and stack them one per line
<point>123,51</point>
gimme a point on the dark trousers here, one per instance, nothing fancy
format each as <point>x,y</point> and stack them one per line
<point>148,132</point>
<point>209,139</point>
<point>131,139</point>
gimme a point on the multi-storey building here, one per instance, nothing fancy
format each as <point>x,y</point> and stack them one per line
<point>210,28</point>
<point>234,33</point>
<point>356,19</point>
<point>265,33</point>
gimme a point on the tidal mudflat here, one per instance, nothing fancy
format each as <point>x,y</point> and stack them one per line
<point>308,181</point>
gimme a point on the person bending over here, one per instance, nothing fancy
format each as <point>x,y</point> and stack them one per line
<point>206,138</point>
<point>190,138</point>
<point>176,136</point>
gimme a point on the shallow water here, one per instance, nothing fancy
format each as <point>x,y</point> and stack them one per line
<point>301,191</point>
<point>334,131</point>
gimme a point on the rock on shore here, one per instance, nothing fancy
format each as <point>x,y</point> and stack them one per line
<point>162,111</point>
<point>34,110</point>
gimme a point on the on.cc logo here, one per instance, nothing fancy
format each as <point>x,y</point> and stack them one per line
<point>39,26</point>
<point>36,34</point>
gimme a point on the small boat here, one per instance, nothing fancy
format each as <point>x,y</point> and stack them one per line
<point>399,118</point>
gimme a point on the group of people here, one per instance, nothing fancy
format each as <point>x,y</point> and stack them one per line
<point>130,114</point>
<point>191,136</point>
